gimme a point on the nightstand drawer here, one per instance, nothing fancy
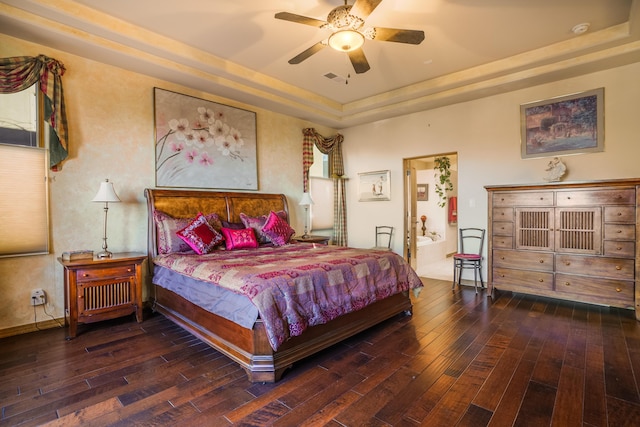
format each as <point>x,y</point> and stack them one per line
<point>106,272</point>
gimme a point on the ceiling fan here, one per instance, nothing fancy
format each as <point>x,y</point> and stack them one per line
<point>349,33</point>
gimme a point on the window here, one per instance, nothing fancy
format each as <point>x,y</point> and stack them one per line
<point>321,189</point>
<point>23,176</point>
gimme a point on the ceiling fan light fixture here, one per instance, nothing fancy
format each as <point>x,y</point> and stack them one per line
<point>346,40</point>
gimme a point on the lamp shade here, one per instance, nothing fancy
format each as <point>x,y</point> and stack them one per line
<point>346,40</point>
<point>106,193</point>
<point>306,200</point>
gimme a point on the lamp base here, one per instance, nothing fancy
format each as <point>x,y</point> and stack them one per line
<point>104,254</point>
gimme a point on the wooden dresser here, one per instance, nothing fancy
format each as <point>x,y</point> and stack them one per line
<point>574,241</point>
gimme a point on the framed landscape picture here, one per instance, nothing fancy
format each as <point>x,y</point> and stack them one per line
<point>568,124</point>
<point>203,144</point>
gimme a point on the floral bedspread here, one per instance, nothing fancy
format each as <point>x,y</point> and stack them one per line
<point>300,285</point>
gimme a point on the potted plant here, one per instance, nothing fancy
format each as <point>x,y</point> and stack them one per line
<point>443,179</point>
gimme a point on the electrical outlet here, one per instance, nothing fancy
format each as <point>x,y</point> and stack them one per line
<point>38,297</point>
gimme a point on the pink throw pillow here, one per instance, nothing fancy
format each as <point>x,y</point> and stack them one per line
<point>243,238</point>
<point>277,230</point>
<point>257,222</point>
<point>200,235</point>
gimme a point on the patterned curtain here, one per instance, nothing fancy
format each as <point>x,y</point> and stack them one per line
<point>333,147</point>
<point>20,72</point>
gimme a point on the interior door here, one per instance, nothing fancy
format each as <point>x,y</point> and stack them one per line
<point>410,209</point>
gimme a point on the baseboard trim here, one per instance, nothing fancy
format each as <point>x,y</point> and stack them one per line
<point>31,327</point>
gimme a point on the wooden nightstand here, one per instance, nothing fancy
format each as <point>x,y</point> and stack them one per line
<point>323,240</point>
<point>101,289</point>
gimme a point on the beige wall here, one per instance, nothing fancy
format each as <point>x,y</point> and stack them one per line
<point>111,128</point>
<point>110,113</point>
<point>486,135</point>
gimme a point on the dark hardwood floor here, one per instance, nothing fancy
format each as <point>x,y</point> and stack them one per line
<point>461,360</point>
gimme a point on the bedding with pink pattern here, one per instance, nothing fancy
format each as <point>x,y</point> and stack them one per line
<point>297,286</point>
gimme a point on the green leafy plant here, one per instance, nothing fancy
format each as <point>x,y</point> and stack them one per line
<point>443,179</point>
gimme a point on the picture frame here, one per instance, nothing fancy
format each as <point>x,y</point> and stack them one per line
<point>374,186</point>
<point>203,144</point>
<point>569,124</point>
<point>422,192</point>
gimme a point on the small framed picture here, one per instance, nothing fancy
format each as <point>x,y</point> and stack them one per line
<point>422,192</point>
<point>374,186</point>
<point>568,124</point>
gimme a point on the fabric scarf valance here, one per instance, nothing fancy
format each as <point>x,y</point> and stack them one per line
<point>333,147</point>
<point>19,73</point>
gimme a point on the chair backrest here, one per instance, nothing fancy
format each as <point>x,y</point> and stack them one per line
<point>383,236</point>
<point>471,240</point>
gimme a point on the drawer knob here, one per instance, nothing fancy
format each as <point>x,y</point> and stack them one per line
<point>85,274</point>
<point>567,263</point>
<point>618,290</point>
<point>619,231</point>
<point>619,248</point>
<point>540,280</point>
<point>619,213</point>
<point>541,261</point>
<point>502,275</point>
<point>502,257</point>
<point>128,270</point>
<point>618,267</point>
<point>567,284</point>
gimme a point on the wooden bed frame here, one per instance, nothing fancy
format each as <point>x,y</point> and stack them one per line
<point>250,347</point>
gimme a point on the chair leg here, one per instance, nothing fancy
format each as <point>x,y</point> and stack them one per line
<point>475,278</point>
<point>480,273</point>
<point>455,269</point>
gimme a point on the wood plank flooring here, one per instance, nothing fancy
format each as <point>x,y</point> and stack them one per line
<point>460,360</point>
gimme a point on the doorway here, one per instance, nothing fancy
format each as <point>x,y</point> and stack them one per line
<point>429,244</point>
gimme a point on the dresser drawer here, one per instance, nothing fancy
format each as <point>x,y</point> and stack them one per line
<point>619,232</point>
<point>502,242</point>
<point>524,281</point>
<point>524,198</point>
<point>105,273</point>
<point>618,196</point>
<point>541,261</point>
<point>592,266</point>
<point>620,214</point>
<point>502,228</point>
<point>621,249</point>
<point>502,214</point>
<point>618,293</point>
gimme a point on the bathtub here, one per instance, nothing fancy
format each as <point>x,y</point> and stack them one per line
<point>429,252</point>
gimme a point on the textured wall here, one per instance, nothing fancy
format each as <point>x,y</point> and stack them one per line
<point>111,128</point>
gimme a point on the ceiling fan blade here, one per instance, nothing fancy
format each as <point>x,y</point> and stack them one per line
<point>307,53</point>
<point>399,36</point>
<point>300,19</point>
<point>363,8</point>
<point>359,61</point>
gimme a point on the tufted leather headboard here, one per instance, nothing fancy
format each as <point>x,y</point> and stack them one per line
<point>228,206</point>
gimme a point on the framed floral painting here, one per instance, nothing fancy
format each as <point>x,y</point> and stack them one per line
<point>203,144</point>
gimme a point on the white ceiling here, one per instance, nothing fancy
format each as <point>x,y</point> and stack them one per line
<point>238,50</point>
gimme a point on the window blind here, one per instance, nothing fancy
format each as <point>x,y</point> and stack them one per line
<point>24,227</point>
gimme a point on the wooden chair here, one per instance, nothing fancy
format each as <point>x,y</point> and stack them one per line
<point>383,237</point>
<point>470,255</point>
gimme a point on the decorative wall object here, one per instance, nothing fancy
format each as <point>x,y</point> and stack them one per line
<point>373,186</point>
<point>203,144</point>
<point>565,125</point>
<point>422,192</point>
